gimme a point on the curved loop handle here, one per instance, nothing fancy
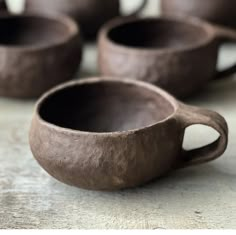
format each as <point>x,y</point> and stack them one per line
<point>139,9</point>
<point>188,116</point>
<point>225,35</point>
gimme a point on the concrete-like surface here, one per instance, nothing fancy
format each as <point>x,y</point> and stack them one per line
<point>198,197</point>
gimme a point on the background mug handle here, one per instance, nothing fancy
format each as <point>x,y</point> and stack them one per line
<point>188,116</point>
<point>225,35</point>
<point>139,9</point>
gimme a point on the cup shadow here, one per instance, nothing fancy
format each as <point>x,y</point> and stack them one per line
<point>176,180</point>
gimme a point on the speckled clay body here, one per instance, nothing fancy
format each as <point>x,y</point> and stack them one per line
<point>90,14</point>
<point>108,134</point>
<point>37,53</point>
<point>217,11</point>
<point>179,55</point>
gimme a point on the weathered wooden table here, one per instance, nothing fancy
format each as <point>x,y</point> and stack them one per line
<point>198,197</point>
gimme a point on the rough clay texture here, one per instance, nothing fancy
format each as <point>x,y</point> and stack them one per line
<point>124,160</point>
<point>104,163</point>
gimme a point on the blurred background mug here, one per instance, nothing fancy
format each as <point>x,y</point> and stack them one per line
<point>177,54</point>
<point>37,53</point>
<point>218,11</point>
<point>90,14</point>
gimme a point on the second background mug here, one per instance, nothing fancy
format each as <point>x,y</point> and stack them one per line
<point>89,14</point>
<point>177,54</point>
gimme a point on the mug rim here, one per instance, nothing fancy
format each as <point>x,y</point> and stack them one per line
<point>95,80</point>
<point>70,24</point>
<point>119,21</point>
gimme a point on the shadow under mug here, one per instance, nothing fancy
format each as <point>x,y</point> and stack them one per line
<point>107,134</point>
<point>179,55</point>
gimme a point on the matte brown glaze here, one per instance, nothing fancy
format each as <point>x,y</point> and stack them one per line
<point>218,11</point>
<point>108,134</point>
<point>37,52</point>
<point>89,14</point>
<point>178,55</point>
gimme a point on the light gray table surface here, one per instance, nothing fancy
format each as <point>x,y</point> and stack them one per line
<point>197,197</point>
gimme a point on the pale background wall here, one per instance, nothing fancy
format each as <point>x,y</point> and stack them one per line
<point>151,9</point>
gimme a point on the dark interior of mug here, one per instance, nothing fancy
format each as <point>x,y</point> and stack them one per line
<point>31,31</point>
<point>157,33</point>
<point>105,107</point>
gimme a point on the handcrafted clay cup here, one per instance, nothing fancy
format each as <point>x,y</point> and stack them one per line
<point>179,55</point>
<point>36,52</point>
<point>90,14</point>
<point>108,134</point>
<point>217,11</point>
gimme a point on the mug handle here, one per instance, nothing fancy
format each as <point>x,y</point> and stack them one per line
<point>224,35</point>
<point>188,116</point>
<point>139,9</point>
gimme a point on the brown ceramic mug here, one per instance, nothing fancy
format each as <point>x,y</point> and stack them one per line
<point>108,134</point>
<point>37,52</point>
<point>217,11</point>
<point>178,55</point>
<point>90,14</point>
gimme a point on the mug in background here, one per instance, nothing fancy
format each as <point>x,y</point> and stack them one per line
<point>217,11</point>
<point>89,14</point>
<point>37,52</point>
<point>177,54</point>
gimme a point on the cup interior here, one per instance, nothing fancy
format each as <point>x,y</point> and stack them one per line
<point>105,107</point>
<point>26,31</point>
<point>157,33</point>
